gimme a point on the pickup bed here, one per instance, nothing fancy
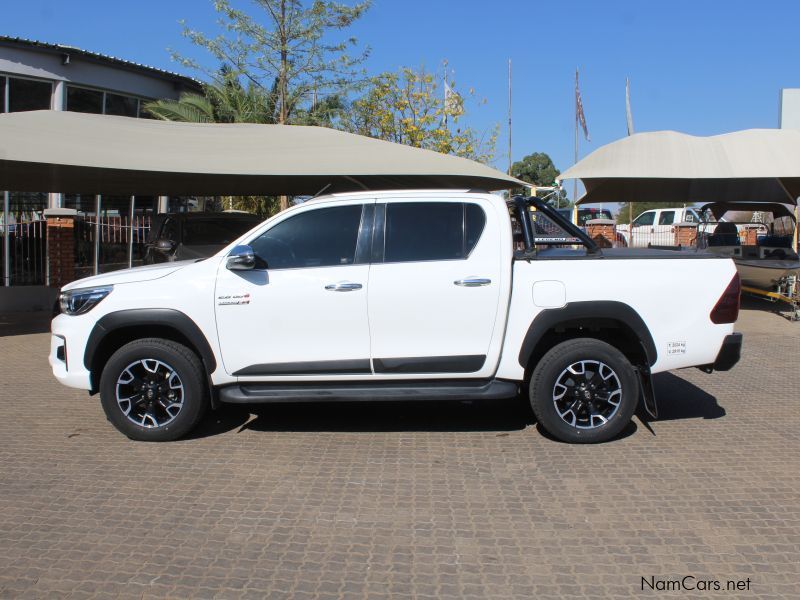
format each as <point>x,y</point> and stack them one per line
<point>408,295</point>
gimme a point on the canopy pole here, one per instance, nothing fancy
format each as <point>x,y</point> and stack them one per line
<point>6,240</point>
<point>130,233</point>
<point>97,201</point>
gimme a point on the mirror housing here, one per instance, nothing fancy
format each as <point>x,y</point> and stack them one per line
<point>241,258</point>
<point>165,245</point>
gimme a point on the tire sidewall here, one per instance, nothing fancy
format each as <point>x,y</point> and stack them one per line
<point>550,368</point>
<point>176,356</point>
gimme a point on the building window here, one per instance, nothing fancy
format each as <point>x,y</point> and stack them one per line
<point>121,105</point>
<point>84,100</point>
<point>2,94</point>
<point>27,94</point>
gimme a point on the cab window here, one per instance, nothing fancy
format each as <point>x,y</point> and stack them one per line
<point>424,231</point>
<point>324,237</point>
<point>646,218</point>
<point>667,217</point>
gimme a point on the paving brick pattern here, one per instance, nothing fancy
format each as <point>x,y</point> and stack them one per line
<point>405,500</point>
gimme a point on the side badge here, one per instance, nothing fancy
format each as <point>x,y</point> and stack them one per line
<point>233,299</point>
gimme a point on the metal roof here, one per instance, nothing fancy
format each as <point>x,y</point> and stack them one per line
<point>97,57</point>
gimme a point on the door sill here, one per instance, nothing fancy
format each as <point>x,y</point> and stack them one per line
<point>368,391</point>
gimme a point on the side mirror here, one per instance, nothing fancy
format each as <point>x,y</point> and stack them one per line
<point>165,245</point>
<point>241,258</point>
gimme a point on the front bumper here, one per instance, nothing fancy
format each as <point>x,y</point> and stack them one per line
<point>67,343</point>
<point>729,353</point>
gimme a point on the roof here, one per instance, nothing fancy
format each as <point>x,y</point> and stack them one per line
<point>53,151</point>
<point>761,165</point>
<point>99,58</point>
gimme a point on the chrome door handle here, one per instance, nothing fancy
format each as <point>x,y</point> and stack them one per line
<point>343,286</point>
<point>472,282</point>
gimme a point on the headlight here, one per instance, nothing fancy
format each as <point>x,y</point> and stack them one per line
<point>78,302</point>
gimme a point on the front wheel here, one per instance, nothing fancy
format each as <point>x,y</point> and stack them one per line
<point>584,391</point>
<point>154,390</point>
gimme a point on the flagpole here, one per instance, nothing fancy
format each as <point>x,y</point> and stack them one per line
<point>509,116</point>
<point>575,181</point>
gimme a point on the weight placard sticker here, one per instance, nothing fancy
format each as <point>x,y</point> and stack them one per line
<point>676,348</point>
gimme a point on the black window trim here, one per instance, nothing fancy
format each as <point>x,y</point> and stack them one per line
<point>379,238</point>
<point>360,239</point>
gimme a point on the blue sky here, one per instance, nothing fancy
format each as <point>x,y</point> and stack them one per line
<point>702,67</point>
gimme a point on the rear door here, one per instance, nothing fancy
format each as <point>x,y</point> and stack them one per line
<point>434,288</point>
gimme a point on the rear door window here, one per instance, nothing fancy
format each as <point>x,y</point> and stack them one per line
<point>666,217</point>
<point>425,231</point>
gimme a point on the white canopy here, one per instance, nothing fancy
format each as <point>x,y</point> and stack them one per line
<point>53,151</point>
<point>755,165</point>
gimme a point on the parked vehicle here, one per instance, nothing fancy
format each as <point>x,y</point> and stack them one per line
<point>765,257</point>
<point>184,236</point>
<point>656,227</point>
<point>411,295</point>
<point>585,214</point>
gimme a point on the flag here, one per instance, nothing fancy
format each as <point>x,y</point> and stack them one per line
<point>579,116</point>
<point>628,113</point>
<point>453,104</point>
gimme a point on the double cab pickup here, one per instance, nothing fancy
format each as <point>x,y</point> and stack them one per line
<point>404,295</point>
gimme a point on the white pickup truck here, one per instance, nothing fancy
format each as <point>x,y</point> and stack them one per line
<point>656,227</point>
<point>409,295</point>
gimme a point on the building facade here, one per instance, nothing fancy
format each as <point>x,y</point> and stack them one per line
<point>42,76</point>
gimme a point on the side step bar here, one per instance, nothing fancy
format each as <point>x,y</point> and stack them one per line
<point>252,393</point>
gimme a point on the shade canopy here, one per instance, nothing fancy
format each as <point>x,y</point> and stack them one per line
<point>755,165</point>
<point>53,151</point>
<point>718,209</point>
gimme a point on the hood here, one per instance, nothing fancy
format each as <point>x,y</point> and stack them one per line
<point>146,273</point>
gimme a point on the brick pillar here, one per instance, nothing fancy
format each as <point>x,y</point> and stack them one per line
<point>749,237</point>
<point>602,231</point>
<point>60,245</point>
<point>685,234</point>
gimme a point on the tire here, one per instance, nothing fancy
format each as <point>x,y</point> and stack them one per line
<point>162,390</point>
<point>574,389</point>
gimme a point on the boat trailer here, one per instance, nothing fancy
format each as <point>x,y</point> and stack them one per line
<point>787,290</point>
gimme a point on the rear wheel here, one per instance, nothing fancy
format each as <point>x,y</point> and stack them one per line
<point>584,391</point>
<point>154,390</point>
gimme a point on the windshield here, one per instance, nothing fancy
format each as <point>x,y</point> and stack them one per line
<point>208,232</point>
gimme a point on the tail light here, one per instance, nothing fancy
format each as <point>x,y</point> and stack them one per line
<point>727,307</point>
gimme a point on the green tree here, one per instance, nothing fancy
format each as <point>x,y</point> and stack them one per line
<point>408,107</point>
<point>224,100</point>
<point>628,211</point>
<point>538,170</point>
<point>288,50</point>
<point>287,56</point>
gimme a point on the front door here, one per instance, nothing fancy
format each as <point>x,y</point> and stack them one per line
<point>434,292</point>
<point>642,229</point>
<point>302,312</point>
